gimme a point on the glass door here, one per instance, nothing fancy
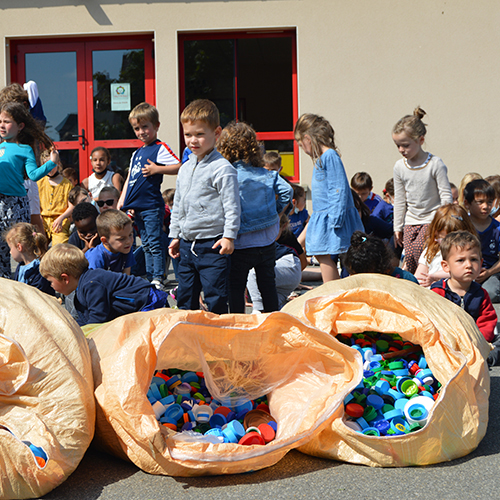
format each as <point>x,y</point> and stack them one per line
<point>88,88</point>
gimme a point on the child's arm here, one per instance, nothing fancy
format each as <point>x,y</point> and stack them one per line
<point>399,208</point>
<point>443,184</point>
<point>154,168</point>
<point>96,302</point>
<point>487,319</point>
<point>85,184</point>
<point>426,279</point>
<point>284,194</point>
<point>57,224</point>
<point>121,201</point>
<point>173,248</point>
<point>117,181</point>
<point>339,191</point>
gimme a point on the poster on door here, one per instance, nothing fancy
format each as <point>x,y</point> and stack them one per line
<point>120,97</point>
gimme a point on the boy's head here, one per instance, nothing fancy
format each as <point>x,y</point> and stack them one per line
<point>200,122</point>
<point>63,265</point>
<point>479,196</point>
<point>145,121</point>
<point>389,191</point>
<point>108,199</point>
<point>299,198</point>
<point>71,175</point>
<point>462,258</point>
<point>84,216</point>
<point>362,183</point>
<point>78,195</point>
<point>272,161</point>
<point>168,197</point>
<point>115,230</point>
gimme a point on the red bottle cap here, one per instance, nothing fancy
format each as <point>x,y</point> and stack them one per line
<point>267,432</point>
<point>252,438</point>
<point>354,410</point>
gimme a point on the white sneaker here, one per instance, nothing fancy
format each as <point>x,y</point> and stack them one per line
<point>159,285</point>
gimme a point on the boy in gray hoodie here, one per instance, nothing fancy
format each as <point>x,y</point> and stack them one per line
<point>206,216</point>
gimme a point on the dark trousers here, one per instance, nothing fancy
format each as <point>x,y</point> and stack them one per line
<point>201,267</point>
<point>262,259</point>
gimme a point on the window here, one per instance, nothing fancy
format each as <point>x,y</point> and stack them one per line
<point>251,77</point>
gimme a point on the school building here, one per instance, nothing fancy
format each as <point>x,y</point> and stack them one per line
<point>362,64</point>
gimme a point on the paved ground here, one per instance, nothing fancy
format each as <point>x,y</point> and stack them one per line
<point>101,476</point>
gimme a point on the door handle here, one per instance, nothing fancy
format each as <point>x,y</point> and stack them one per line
<point>82,136</point>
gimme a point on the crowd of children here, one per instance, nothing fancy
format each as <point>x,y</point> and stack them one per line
<point>233,224</point>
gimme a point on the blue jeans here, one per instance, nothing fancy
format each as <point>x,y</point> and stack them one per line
<point>149,223</point>
<point>201,267</point>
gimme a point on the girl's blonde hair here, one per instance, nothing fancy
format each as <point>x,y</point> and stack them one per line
<point>27,235</point>
<point>238,141</point>
<point>412,125</point>
<point>471,176</point>
<point>449,218</point>
<point>319,131</point>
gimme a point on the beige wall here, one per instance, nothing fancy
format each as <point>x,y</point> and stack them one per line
<point>361,63</point>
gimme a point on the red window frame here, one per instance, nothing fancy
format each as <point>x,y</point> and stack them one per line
<point>262,136</point>
<point>84,46</point>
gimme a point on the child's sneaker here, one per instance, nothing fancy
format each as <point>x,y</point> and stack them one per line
<point>159,285</point>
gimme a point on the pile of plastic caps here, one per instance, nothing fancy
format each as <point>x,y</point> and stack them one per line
<point>182,402</point>
<point>398,390</point>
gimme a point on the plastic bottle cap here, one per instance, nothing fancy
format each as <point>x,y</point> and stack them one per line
<point>354,410</point>
<point>256,417</point>
<point>376,401</point>
<point>409,388</point>
<point>224,410</point>
<point>251,439</point>
<point>267,432</point>
<point>217,420</point>
<point>371,431</point>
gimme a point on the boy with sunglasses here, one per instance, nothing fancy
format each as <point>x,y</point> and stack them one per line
<point>108,198</point>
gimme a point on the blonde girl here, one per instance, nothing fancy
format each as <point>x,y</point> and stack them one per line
<point>334,218</point>
<point>27,247</point>
<point>421,186</point>
<point>100,158</point>
<point>469,177</point>
<point>19,132</point>
<point>448,218</point>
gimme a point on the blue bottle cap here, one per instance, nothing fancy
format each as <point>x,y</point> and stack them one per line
<point>383,426</point>
<point>376,401</point>
<point>422,362</point>
<point>167,400</point>
<point>382,387</point>
<point>400,404</point>
<point>362,423</point>
<point>274,425</point>
<point>189,377</point>
<point>174,412</point>
<point>217,420</point>
<point>393,414</point>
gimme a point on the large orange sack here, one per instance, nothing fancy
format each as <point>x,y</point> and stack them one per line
<point>305,372</point>
<point>455,351</point>
<point>46,392</point>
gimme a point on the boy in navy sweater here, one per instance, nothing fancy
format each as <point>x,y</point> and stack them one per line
<point>100,295</point>
<point>141,192</point>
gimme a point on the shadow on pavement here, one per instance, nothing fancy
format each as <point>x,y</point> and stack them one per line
<point>93,474</point>
<point>292,465</point>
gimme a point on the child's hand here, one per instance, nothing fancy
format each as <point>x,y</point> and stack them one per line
<point>54,155</point>
<point>483,275</point>
<point>226,246</point>
<point>91,242</point>
<point>173,248</point>
<point>398,239</point>
<point>150,169</point>
<point>426,280</point>
<point>57,224</point>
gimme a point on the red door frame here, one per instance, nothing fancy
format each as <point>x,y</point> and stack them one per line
<point>263,136</point>
<point>83,46</point>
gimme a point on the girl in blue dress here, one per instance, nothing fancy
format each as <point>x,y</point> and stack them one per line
<point>334,216</point>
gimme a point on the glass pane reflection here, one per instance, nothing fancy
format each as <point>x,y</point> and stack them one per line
<point>55,75</point>
<point>116,66</point>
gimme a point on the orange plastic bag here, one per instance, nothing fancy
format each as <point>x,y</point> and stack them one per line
<point>455,351</point>
<point>46,392</point>
<point>305,373</point>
